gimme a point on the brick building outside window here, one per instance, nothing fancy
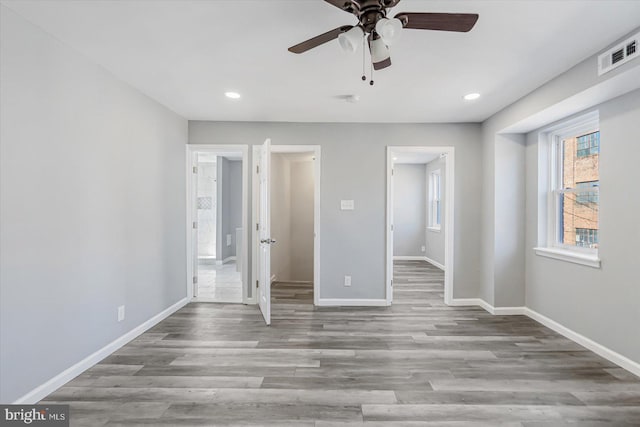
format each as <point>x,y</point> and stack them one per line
<point>580,163</point>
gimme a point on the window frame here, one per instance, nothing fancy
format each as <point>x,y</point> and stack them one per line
<point>556,191</point>
<point>552,138</point>
<point>435,200</point>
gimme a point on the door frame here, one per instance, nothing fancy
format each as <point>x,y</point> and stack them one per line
<point>192,151</point>
<point>449,205</point>
<point>316,150</point>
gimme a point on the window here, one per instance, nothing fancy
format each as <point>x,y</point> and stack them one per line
<point>587,237</point>
<point>573,192</point>
<point>435,202</point>
<point>584,195</point>
<point>589,144</point>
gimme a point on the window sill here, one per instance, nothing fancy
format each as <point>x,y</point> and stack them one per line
<point>435,229</point>
<point>569,256</point>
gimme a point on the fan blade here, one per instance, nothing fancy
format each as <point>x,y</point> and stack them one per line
<point>318,40</point>
<point>460,22</point>
<point>345,5</point>
<point>388,4</point>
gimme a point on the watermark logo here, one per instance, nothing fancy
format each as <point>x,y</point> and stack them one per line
<point>34,415</point>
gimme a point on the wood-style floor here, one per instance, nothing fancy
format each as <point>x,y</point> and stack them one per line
<point>417,363</point>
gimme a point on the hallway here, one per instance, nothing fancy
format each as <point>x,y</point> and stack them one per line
<point>418,361</point>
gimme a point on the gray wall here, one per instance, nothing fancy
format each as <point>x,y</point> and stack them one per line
<point>353,167</point>
<point>409,209</point>
<point>302,188</point>
<point>435,239</point>
<point>230,201</point>
<point>503,153</point>
<point>601,304</point>
<point>92,214</point>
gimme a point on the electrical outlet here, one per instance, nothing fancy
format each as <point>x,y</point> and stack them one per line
<point>121,313</point>
<point>347,280</point>
<point>423,249</point>
<point>228,239</point>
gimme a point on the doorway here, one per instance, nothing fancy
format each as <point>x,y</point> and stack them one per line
<point>217,221</point>
<point>292,201</point>
<point>287,245</point>
<point>420,203</point>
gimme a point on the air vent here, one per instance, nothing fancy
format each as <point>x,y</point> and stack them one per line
<point>618,55</point>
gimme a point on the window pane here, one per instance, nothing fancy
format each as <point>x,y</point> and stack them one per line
<point>588,145</point>
<point>578,210</point>
<point>577,216</point>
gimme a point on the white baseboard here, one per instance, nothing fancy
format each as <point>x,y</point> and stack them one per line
<point>298,282</point>
<point>498,311</point>
<point>599,349</point>
<point>408,258</point>
<point>464,302</point>
<point>229,259</point>
<point>508,311</point>
<point>610,355</point>
<point>436,263</point>
<point>338,302</point>
<point>70,373</point>
<point>418,258</point>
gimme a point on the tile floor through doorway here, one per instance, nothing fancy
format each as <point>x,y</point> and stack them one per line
<point>219,282</point>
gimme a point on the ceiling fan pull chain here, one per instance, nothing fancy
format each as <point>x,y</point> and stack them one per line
<point>371,81</point>
<point>364,38</point>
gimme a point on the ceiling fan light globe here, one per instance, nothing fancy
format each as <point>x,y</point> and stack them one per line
<point>389,29</point>
<point>379,51</point>
<point>350,40</point>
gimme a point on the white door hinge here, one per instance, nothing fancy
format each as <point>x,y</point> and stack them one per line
<point>195,224</point>
<point>195,280</point>
<point>195,169</point>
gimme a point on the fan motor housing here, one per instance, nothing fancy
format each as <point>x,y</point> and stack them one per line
<point>368,12</point>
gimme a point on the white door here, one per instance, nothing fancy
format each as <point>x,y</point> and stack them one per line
<point>194,227</point>
<point>391,231</point>
<point>264,234</point>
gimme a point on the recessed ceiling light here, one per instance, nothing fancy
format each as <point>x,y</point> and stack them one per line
<point>471,96</point>
<point>232,95</point>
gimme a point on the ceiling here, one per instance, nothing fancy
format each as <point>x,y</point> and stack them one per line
<point>186,54</point>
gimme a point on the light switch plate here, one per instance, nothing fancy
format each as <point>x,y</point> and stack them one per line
<point>347,205</point>
<point>347,280</point>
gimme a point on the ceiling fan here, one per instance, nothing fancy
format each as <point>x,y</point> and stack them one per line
<point>381,31</point>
